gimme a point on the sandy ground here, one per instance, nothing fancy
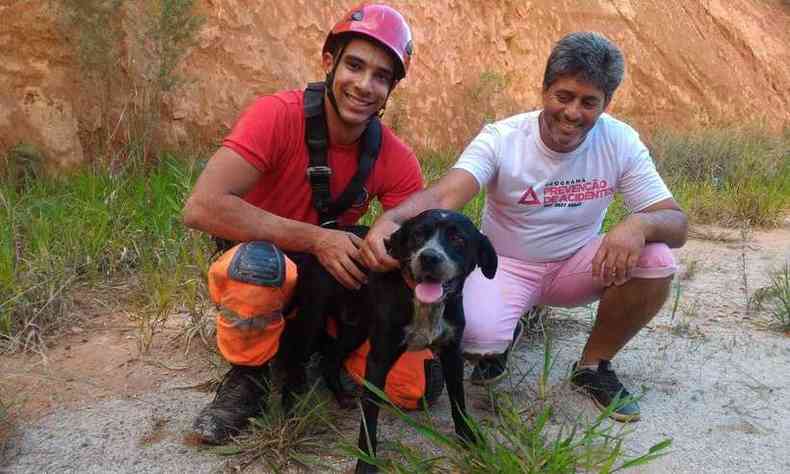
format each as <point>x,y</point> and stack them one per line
<point>715,380</point>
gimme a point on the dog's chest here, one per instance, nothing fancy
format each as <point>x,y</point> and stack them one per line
<point>428,327</point>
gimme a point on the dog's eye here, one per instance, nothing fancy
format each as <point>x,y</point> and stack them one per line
<point>455,238</point>
<point>419,234</point>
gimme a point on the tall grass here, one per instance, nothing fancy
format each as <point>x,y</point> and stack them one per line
<point>91,229</point>
<point>727,176</point>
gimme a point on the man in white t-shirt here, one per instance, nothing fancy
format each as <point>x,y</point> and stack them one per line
<point>549,177</point>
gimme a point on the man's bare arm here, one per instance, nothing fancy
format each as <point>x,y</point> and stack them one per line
<point>216,206</point>
<point>664,221</point>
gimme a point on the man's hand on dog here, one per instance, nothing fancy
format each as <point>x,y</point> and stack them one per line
<point>338,252</point>
<point>618,253</point>
<point>373,251</point>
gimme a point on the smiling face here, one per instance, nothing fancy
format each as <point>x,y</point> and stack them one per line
<point>570,109</point>
<point>362,81</point>
<point>440,246</point>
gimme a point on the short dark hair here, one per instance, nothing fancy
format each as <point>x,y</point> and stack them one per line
<point>590,55</point>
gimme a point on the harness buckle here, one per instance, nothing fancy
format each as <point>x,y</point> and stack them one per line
<point>319,171</point>
<point>332,224</point>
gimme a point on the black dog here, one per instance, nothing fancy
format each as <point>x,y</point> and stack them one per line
<point>415,307</point>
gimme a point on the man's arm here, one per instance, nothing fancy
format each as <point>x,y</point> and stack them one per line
<point>616,258</point>
<point>216,206</point>
<point>664,221</point>
<point>452,191</point>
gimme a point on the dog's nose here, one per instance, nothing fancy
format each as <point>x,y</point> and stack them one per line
<point>429,258</point>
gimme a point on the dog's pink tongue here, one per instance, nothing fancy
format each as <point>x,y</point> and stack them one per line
<point>428,292</point>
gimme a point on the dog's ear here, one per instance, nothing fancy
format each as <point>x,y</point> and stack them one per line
<point>486,257</point>
<point>396,244</point>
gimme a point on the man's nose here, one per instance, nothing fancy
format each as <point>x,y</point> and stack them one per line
<point>572,111</point>
<point>365,81</point>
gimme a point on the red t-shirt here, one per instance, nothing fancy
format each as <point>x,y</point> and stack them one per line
<point>270,136</point>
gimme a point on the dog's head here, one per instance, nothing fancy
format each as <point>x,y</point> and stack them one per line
<point>438,249</point>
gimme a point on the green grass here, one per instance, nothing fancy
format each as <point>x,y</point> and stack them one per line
<point>281,442</point>
<point>780,286</point>
<point>727,176</point>
<point>775,298</point>
<point>514,442</point>
<point>89,230</point>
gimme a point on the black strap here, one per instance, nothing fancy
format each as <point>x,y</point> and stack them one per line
<point>317,139</point>
<point>319,172</point>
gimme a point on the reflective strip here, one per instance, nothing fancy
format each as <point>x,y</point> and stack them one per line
<point>256,322</point>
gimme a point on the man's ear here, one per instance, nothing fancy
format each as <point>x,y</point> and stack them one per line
<point>486,257</point>
<point>327,62</point>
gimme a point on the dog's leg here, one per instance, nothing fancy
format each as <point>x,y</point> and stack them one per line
<point>385,350</point>
<point>453,369</point>
<point>349,338</point>
<point>297,343</point>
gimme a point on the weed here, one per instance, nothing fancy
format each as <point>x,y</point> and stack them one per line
<point>488,98</point>
<point>128,231</point>
<point>6,426</point>
<point>515,444</point>
<point>549,360</point>
<point>282,441</point>
<point>682,326</point>
<point>690,270</point>
<point>128,54</point>
<point>746,235</point>
<point>727,176</point>
<point>776,298</point>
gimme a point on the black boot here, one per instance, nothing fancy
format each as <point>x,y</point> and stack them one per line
<point>241,395</point>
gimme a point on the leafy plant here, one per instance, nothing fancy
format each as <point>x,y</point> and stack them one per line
<point>515,445</point>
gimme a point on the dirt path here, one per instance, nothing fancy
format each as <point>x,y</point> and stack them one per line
<point>715,380</point>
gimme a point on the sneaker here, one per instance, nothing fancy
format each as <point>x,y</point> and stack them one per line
<point>490,369</point>
<point>241,396</point>
<point>604,388</point>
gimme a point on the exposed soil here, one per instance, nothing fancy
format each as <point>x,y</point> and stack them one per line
<point>715,379</point>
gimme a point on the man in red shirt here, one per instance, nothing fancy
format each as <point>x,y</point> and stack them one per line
<point>255,188</point>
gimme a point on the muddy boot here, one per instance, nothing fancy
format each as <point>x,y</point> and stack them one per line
<point>241,396</point>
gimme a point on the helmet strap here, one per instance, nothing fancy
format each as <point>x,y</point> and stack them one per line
<point>330,78</point>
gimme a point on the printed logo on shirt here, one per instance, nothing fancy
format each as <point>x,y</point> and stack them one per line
<point>529,198</point>
<point>574,192</point>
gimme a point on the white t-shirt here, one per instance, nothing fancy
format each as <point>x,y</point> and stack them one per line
<point>543,206</point>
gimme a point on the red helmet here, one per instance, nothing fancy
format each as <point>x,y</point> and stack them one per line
<point>380,22</point>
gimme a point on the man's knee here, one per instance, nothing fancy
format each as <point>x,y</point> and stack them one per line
<point>251,283</point>
<point>485,336</point>
<point>655,262</point>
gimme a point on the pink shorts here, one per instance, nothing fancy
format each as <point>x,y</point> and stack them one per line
<point>492,307</point>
